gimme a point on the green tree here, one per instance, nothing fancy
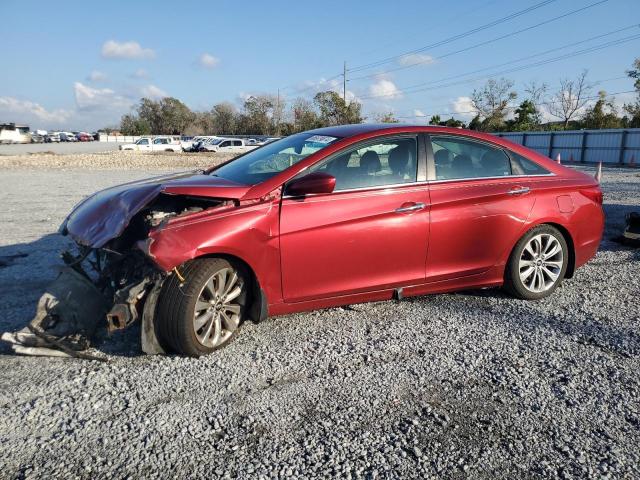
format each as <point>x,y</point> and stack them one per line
<point>175,116</point>
<point>387,118</point>
<point>435,120</point>
<point>304,115</point>
<point>259,112</point>
<point>225,118</point>
<point>475,123</point>
<point>131,124</point>
<point>603,114</point>
<point>526,117</point>
<point>334,110</point>
<point>452,122</point>
<point>492,103</point>
<point>633,109</point>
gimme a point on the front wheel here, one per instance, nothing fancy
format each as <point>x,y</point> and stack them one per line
<point>537,264</point>
<point>202,311</point>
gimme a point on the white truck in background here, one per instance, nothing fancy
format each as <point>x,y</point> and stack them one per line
<point>227,145</point>
<point>12,133</point>
<point>162,143</point>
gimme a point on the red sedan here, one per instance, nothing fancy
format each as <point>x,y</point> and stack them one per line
<point>330,217</point>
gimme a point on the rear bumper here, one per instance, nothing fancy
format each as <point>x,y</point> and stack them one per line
<point>589,236</point>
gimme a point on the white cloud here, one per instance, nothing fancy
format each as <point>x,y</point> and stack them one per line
<point>89,98</point>
<point>419,113</point>
<point>463,107</point>
<point>25,111</point>
<point>113,49</point>
<point>153,92</point>
<point>416,59</point>
<point>97,76</point>
<point>207,60</point>
<point>140,73</point>
<point>384,87</point>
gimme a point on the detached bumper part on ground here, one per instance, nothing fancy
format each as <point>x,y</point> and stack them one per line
<point>67,316</point>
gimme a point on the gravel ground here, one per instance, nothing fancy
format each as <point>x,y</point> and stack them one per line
<point>468,385</point>
<point>111,160</point>
<point>59,148</point>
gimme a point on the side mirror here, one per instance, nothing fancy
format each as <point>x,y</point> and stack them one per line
<point>314,183</point>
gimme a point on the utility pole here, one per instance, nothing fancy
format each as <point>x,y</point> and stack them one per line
<point>344,83</point>
<point>278,113</point>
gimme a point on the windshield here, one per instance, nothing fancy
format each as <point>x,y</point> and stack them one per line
<point>273,158</point>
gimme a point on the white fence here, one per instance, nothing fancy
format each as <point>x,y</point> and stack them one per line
<point>119,138</point>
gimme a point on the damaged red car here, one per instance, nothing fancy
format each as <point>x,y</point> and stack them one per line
<point>330,217</point>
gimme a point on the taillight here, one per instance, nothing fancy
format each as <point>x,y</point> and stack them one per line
<point>594,194</point>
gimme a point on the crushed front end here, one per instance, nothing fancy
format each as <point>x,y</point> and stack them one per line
<point>111,275</point>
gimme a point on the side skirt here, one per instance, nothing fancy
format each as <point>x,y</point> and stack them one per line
<point>492,278</point>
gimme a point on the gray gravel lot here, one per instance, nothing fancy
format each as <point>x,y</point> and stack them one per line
<point>469,385</point>
<point>59,148</point>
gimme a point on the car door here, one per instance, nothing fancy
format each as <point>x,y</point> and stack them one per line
<point>144,144</point>
<point>478,206</point>
<point>371,233</point>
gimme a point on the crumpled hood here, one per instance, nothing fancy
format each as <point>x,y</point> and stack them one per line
<point>104,215</point>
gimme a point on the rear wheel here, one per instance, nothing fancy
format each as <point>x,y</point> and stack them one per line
<point>203,313</point>
<point>537,264</point>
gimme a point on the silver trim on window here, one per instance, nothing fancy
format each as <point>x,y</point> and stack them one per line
<point>449,180</point>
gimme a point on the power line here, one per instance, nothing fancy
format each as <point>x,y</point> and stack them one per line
<point>481,44</point>
<point>522,59</point>
<point>413,89</point>
<point>458,36</point>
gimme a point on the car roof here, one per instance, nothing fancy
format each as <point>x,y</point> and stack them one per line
<point>351,130</point>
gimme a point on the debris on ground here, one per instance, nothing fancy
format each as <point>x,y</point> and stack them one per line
<point>67,316</point>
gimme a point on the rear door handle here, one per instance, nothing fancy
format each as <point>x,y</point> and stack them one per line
<point>410,208</point>
<point>518,191</point>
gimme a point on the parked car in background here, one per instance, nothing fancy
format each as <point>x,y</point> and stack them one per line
<point>37,138</point>
<point>227,145</point>
<point>336,216</point>
<point>162,143</point>
<point>68,137</point>
<point>195,147</point>
<point>189,144</point>
<point>84,137</point>
<point>12,133</point>
<point>52,137</point>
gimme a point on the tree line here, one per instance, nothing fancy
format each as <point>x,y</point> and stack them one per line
<point>259,115</point>
<point>572,104</point>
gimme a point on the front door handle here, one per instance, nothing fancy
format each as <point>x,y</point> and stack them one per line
<point>518,191</point>
<point>410,208</point>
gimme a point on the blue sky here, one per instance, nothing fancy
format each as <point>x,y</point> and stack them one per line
<point>83,66</point>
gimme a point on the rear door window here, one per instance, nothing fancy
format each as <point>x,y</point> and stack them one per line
<point>461,158</point>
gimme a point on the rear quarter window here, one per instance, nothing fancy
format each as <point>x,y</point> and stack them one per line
<point>523,166</point>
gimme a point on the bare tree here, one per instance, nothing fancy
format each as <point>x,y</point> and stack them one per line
<point>536,94</point>
<point>570,99</point>
<point>492,102</point>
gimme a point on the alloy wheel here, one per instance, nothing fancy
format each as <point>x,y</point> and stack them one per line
<point>541,263</point>
<point>217,311</point>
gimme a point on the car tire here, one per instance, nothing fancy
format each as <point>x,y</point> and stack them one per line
<point>537,263</point>
<point>201,308</point>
